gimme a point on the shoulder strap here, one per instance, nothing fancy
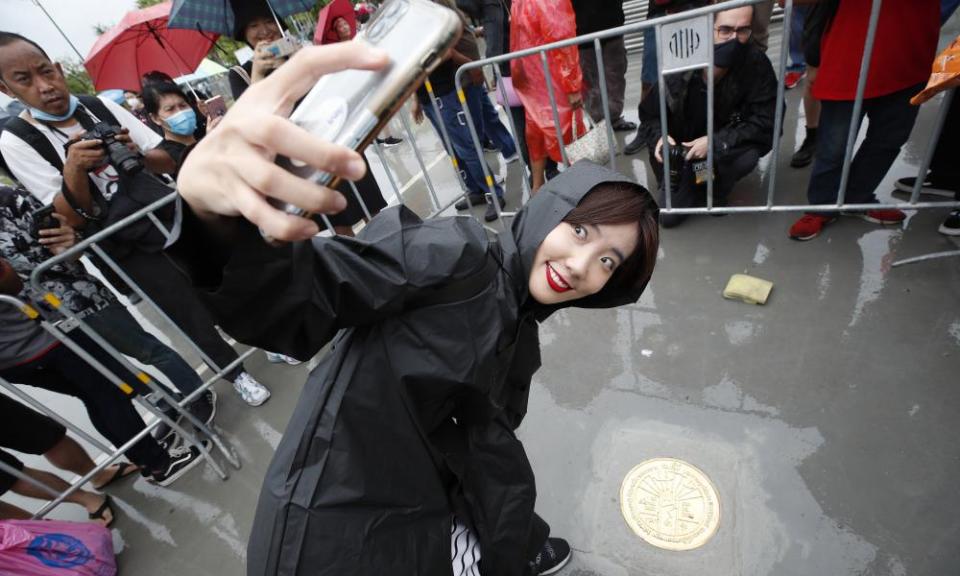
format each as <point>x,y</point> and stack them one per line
<point>42,146</point>
<point>242,73</point>
<point>35,139</point>
<point>99,109</point>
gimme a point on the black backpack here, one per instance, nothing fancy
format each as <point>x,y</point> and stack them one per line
<point>134,192</point>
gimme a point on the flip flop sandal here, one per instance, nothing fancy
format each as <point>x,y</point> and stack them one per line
<point>120,472</point>
<point>99,513</point>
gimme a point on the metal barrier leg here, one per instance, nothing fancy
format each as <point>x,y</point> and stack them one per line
<point>553,107</point>
<point>664,129</point>
<point>420,162</point>
<point>858,101</point>
<point>711,92</point>
<point>932,144</point>
<point>513,132</point>
<point>605,101</point>
<point>781,91</point>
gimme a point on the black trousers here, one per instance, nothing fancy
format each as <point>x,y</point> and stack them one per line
<point>944,165</point>
<point>25,430</point>
<point>110,410</point>
<point>171,289</point>
<point>730,169</point>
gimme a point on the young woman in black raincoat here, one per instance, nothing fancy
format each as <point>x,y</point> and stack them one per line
<point>404,434</point>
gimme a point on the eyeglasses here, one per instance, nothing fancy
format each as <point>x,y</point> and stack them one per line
<point>727,32</point>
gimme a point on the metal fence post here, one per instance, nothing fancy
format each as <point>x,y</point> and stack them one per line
<point>855,119</point>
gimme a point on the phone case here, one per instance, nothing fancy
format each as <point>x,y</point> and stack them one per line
<point>350,107</point>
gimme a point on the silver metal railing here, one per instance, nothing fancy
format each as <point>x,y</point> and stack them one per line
<point>708,12</point>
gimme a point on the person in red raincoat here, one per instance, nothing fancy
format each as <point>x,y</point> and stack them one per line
<point>534,23</point>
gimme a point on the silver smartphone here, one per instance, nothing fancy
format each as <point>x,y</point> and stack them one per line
<point>350,107</point>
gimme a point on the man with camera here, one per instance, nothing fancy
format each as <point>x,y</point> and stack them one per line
<point>745,95</point>
<point>83,155</point>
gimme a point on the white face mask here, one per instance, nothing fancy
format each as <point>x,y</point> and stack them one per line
<point>133,103</point>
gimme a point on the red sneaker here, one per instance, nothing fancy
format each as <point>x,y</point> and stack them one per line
<point>809,226</point>
<point>884,217</point>
<point>793,78</point>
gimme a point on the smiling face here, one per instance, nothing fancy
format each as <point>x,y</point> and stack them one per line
<point>576,260</point>
<point>31,77</point>
<point>261,30</point>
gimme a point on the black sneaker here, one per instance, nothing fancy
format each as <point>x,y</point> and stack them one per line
<point>930,186</point>
<point>621,124</point>
<point>491,214</point>
<point>552,557</point>
<point>181,460</point>
<point>389,141</point>
<point>804,155</point>
<point>204,408</point>
<point>634,146</point>
<point>475,199</point>
<point>951,226</point>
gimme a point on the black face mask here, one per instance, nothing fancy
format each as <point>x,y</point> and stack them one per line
<point>728,54</point>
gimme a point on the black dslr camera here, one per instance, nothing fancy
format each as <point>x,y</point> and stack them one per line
<point>677,160</point>
<point>127,162</point>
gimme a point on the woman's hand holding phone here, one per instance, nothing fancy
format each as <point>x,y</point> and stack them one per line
<point>231,172</point>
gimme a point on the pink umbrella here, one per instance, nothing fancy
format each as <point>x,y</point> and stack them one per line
<point>141,42</point>
<point>325,33</point>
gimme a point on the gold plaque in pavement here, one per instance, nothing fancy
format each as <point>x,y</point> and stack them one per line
<point>670,504</point>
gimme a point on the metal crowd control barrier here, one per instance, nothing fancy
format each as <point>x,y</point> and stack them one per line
<point>52,327</point>
<point>180,407</point>
<point>700,22</point>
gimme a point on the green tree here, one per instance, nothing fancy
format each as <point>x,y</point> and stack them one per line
<point>78,81</point>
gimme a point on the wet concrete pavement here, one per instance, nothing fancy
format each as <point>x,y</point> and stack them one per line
<point>827,418</point>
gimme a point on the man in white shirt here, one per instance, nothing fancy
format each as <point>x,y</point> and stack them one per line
<point>28,74</point>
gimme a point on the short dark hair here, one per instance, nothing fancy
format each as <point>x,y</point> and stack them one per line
<point>622,203</point>
<point>152,78</point>
<point>7,38</point>
<point>155,92</point>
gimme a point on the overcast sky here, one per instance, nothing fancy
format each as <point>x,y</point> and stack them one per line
<point>76,17</point>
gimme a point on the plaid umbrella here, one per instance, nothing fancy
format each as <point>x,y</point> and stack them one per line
<point>218,15</point>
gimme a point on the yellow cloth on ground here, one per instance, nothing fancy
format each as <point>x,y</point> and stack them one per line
<point>747,288</point>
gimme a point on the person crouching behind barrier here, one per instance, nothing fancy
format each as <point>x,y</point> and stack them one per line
<point>404,434</point>
<point>745,96</point>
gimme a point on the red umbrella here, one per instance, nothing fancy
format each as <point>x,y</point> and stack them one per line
<point>325,33</point>
<point>141,42</point>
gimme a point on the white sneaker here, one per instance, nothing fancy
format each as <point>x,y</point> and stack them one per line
<point>277,358</point>
<point>252,392</point>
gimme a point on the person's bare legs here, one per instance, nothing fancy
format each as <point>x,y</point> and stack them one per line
<point>68,455</point>
<point>811,106</point>
<point>11,512</point>
<point>539,170</point>
<point>89,500</point>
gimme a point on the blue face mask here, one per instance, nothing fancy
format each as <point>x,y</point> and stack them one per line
<point>42,116</point>
<point>183,123</point>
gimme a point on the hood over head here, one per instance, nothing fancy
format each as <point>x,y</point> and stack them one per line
<point>547,209</point>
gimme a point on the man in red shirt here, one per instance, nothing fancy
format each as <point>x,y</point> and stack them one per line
<point>906,43</point>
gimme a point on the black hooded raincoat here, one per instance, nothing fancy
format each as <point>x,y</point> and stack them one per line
<point>410,418</point>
